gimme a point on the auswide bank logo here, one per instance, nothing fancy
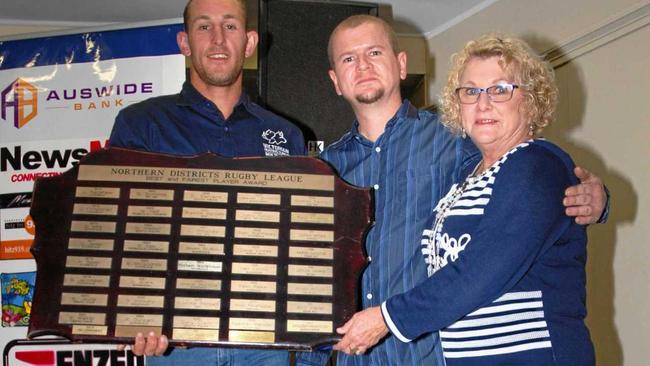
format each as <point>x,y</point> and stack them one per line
<point>22,97</point>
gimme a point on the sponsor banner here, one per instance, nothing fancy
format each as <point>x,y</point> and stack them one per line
<point>17,291</point>
<point>63,353</point>
<point>81,99</point>
<point>22,163</point>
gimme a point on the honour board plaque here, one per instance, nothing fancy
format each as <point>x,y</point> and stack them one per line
<point>211,251</point>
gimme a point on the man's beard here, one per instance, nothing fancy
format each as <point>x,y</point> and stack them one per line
<point>225,78</point>
<point>369,98</point>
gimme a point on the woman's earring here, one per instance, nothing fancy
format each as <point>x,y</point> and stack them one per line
<point>463,132</point>
<point>531,129</point>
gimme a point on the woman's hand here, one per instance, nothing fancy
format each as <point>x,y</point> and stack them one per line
<point>363,331</point>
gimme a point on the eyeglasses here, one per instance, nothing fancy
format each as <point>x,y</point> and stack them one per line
<point>496,93</point>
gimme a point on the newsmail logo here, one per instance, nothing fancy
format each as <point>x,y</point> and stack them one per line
<point>22,97</point>
<point>77,357</point>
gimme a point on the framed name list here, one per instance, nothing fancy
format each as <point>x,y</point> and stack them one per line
<point>246,252</point>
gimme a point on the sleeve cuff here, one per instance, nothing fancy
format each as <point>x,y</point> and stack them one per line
<point>603,217</point>
<point>391,325</point>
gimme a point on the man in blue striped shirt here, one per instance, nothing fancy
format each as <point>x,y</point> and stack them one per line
<point>410,160</point>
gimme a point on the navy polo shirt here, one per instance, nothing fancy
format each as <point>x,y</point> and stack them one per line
<point>189,124</point>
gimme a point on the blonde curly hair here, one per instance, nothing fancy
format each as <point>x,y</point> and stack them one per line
<point>534,76</point>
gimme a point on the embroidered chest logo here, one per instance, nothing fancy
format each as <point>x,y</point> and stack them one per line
<point>273,141</point>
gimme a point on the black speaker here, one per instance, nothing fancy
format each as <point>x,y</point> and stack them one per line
<point>292,66</point>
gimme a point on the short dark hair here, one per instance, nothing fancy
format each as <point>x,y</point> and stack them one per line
<point>355,21</point>
<point>186,13</point>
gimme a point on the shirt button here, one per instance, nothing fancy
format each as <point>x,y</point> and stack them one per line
<point>369,259</point>
<point>376,187</point>
<point>226,128</point>
<point>369,296</point>
<point>378,149</point>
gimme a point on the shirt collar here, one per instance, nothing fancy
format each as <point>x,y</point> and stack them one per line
<point>405,111</point>
<point>189,96</point>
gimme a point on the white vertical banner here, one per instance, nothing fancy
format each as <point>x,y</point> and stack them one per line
<point>59,96</point>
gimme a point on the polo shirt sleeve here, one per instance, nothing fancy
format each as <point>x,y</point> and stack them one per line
<point>129,131</point>
<point>524,217</point>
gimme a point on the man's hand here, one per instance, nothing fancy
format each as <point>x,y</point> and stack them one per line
<point>585,201</point>
<point>152,345</point>
<point>363,331</point>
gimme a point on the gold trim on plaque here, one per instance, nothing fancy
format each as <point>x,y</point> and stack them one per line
<point>204,213</point>
<point>203,230</point>
<point>149,211</point>
<point>251,336</point>
<point>259,198</point>
<point>157,283</point>
<point>140,301</point>
<point>147,193</point>
<point>94,209</point>
<point>108,173</point>
<point>265,287</point>
<point>256,233</point>
<point>93,226</point>
<point>203,303</point>
<point>97,330</point>
<point>256,215</point>
<point>309,307</point>
<point>130,331</point>
<point>97,192</point>
<point>201,248</point>
<point>310,326</point>
<point>251,324</point>
<point>310,271</point>
<point>144,264</point>
<point>312,218</point>
<point>196,322</point>
<point>254,268</point>
<point>75,298</point>
<point>265,306</point>
<point>194,334</point>
<point>86,280</point>
<point>198,284</point>
<point>148,228</point>
<point>144,320</point>
<point>296,288</point>
<point>73,261</point>
<point>200,266</point>
<point>91,244</point>
<point>312,201</point>
<point>311,235</point>
<point>66,317</point>
<point>255,250</point>
<point>312,253</point>
<point>151,246</point>
<point>205,196</point>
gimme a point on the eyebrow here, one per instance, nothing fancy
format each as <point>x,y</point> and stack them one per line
<point>207,17</point>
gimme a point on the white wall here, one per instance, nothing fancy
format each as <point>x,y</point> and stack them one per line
<point>603,122</point>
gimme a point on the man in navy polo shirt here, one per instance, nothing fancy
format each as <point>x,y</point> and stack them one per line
<point>211,113</point>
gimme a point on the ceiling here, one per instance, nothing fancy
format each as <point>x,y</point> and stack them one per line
<point>418,17</point>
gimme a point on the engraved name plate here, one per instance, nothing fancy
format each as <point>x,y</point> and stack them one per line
<point>98,192</point>
<point>91,244</point>
<point>205,196</point>
<point>94,209</point>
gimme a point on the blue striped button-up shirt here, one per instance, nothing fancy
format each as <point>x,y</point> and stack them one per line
<point>410,166</point>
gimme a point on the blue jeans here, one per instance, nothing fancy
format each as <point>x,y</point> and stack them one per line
<point>203,356</point>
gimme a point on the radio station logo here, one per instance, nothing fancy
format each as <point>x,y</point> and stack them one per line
<point>22,97</point>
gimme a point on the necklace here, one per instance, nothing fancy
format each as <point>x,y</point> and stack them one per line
<point>434,260</point>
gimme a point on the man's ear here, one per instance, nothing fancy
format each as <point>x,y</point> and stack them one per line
<point>332,75</point>
<point>403,65</point>
<point>251,42</point>
<point>183,43</point>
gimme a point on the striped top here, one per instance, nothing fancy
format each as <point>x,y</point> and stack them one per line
<point>507,279</point>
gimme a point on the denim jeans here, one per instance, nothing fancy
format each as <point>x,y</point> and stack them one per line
<point>201,356</point>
